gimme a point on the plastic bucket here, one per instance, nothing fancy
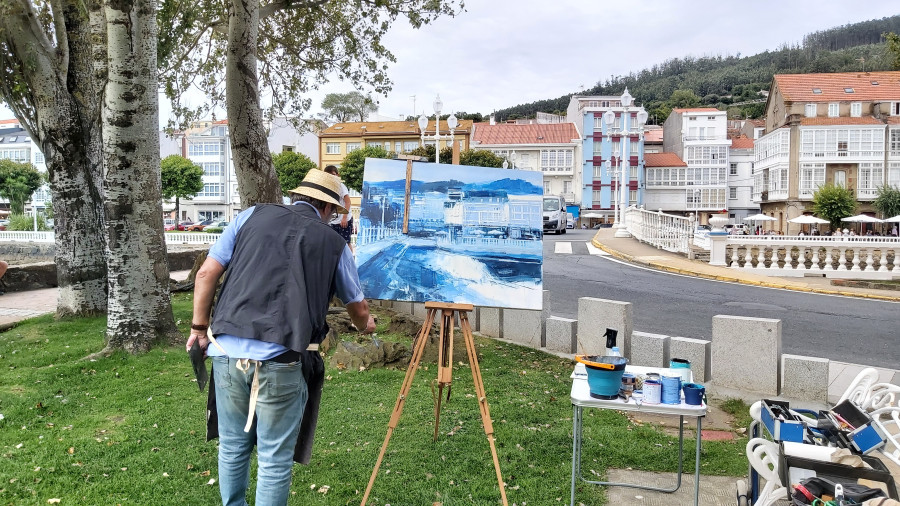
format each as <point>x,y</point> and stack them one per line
<point>683,366</point>
<point>604,374</point>
<point>694,394</point>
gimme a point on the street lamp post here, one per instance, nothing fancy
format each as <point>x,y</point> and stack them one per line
<point>452,122</point>
<point>610,118</point>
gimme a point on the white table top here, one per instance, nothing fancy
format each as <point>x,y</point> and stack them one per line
<point>581,395</point>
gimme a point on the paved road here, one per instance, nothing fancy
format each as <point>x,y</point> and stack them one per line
<point>839,328</point>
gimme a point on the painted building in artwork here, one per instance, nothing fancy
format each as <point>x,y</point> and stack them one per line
<point>606,149</point>
<point>841,129</point>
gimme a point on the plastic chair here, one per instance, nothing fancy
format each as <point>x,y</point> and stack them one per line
<point>858,390</point>
<point>763,456</point>
<point>888,420</point>
<point>882,395</point>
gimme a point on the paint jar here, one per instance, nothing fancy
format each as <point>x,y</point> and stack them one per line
<point>652,391</point>
<point>671,389</point>
<point>627,387</point>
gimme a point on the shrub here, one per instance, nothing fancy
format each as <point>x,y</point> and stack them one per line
<point>25,223</point>
<point>213,230</point>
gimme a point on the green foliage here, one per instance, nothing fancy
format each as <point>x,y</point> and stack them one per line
<point>181,178</point>
<point>888,201</point>
<point>215,230</point>
<point>892,40</point>
<point>352,106</point>
<point>683,99</point>
<point>735,79</point>
<point>480,158</point>
<point>25,223</point>
<point>291,167</point>
<point>129,429</point>
<point>355,161</point>
<point>428,152</point>
<point>18,181</point>
<point>832,203</point>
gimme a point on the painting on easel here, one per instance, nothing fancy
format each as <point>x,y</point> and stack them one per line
<point>470,235</point>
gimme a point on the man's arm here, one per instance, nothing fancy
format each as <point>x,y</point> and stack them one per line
<point>345,217</point>
<point>204,290</point>
<point>359,315</point>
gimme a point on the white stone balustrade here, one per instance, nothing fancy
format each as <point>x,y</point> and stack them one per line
<point>858,257</point>
<point>665,231</point>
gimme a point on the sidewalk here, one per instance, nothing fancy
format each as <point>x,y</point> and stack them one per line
<point>633,251</point>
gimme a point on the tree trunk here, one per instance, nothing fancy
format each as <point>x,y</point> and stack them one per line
<point>139,308</point>
<point>60,112</point>
<point>257,181</point>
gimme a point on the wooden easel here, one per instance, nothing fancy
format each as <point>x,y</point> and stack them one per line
<point>445,375</point>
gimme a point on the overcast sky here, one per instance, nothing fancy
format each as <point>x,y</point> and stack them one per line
<point>500,53</point>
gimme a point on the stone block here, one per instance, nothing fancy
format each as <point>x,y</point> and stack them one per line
<point>561,334</point>
<point>697,351</point>
<point>490,321</point>
<point>419,311</point>
<point>804,378</point>
<point>402,306</point>
<point>746,354</point>
<point>594,316</point>
<point>522,326</point>
<point>649,350</point>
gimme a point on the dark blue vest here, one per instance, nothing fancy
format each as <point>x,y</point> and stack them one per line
<point>281,277</point>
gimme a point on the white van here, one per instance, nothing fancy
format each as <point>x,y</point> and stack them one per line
<point>554,214</point>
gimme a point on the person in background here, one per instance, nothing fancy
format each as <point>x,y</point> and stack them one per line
<point>284,265</point>
<point>3,267</point>
<point>343,224</point>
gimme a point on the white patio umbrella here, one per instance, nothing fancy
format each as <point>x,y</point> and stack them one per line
<point>861,218</point>
<point>759,217</point>
<point>895,219</point>
<point>592,215</point>
<point>807,219</point>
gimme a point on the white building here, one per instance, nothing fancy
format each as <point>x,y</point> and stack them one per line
<point>740,180</point>
<point>17,145</point>
<point>554,149</point>
<point>699,137</point>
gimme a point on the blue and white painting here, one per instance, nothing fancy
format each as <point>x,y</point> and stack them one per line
<point>474,235</point>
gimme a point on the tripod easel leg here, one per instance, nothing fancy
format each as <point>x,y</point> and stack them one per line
<point>418,351</point>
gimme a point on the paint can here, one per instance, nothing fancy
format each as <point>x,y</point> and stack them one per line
<point>627,387</point>
<point>683,367</point>
<point>671,389</point>
<point>652,391</point>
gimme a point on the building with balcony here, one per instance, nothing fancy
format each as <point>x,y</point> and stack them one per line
<point>699,138</point>
<point>740,179</point>
<point>841,128</point>
<point>621,142</point>
<point>16,145</point>
<point>552,148</point>
<point>336,141</point>
<point>667,186</point>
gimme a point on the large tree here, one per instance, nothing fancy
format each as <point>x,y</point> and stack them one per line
<point>139,312</point>
<point>887,201</point>
<point>355,161</point>
<point>833,202</point>
<point>17,182</point>
<point>892,41</point>
<point>52,72</point>
<point>289,48</point>
<point>181,179</point>
<point>352,106</point>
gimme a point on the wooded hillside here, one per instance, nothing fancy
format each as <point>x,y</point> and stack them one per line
<point>733,82</point>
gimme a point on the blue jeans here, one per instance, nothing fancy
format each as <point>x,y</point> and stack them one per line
<point>279,409</point>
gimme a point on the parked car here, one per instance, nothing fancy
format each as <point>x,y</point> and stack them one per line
<point>570,220</point>
<point>184,224</point>
<point>216,226</point>
<point>3,224</point>
<point>169,224</point>
<point>198,227</point>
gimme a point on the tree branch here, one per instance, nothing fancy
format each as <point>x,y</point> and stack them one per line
<point>62,39</point>
<point>282,5</point>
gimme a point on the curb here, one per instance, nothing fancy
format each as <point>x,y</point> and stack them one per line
<point>767,284</point>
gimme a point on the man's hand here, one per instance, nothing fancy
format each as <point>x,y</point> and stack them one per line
<point>370,325</point>
<point>201,338</point>
<point>343,221</point>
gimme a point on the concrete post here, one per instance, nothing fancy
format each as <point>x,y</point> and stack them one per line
<point>718,243</point>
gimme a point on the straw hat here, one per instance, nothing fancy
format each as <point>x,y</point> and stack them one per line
<point>322,186</point>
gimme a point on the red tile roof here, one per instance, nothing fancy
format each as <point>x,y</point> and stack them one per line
<point>864,120</point>
<point>892,120</point>
<point>653,136</point>
<point>866,86</point>
<point>742,142</point>
<point>355,128</point>
<point>549,133</point>
<point>663,160</point>
<point>696,109</point>
<point>9,121</point>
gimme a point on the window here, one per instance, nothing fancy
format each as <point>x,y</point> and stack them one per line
<point>732,169</point>
<point>633,172</point>
<point>353,146</point>
<point>616,149</point>
<point>39,157</point>
<point>547,188</point>
<point>598,172</point>
<point>812,176</point>
<point>205,148</point>
<point>895,108</point>
<point>398,147</point>
<point>598,122</point>
<point>409,146</point>
<point>692,118</point>
<point>556,160</point>
<point>598,146</point>
<point>842,148</point>
<point>633,148</point>
<point>567,187</point>
<point>840,178</point>
<point>856,109</point>
<point>848,90</point>
<point>212,190</point>
<point>810,110</point>
<point>895,142</point>
<point>833,110</point>
<point>212,168</point>
<point>333,148</point>
<point>287,149</point>
<point>817,91</point>
<point>596,196</point>
<point>732,193</point>
<point>632,197</point>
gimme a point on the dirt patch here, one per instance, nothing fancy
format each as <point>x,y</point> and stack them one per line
<point>716,420</point>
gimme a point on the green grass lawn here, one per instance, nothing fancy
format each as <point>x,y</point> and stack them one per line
<point>130,429</point>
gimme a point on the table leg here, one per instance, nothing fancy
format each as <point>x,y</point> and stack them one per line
<point>697,462</point>
<point>576,449</point>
